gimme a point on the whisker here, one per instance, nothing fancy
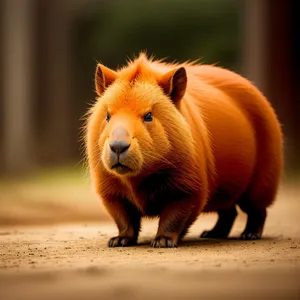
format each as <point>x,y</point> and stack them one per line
<point>160,157</point>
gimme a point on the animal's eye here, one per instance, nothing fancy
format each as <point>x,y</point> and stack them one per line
<point>148,117</point>
<point>108,116</point>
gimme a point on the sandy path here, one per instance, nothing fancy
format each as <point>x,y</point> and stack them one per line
<point>73,262</point>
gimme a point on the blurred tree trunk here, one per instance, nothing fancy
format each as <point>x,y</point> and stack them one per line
<point>283,73</point>
<point>17,66</point>
<point>271,61</point>
<point>255,42</point>
<point>54,102</point>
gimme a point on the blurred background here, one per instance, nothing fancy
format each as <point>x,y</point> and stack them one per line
<point>48,54</point>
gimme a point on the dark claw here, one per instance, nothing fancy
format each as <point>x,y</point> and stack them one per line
<point>163,242</point>
<point>250,236</point>
<point>171,244</point>
<point>120,241</point>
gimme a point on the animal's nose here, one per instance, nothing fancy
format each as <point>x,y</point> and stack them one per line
<point>119,147</point>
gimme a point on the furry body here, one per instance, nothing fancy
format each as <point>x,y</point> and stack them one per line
<point>213,142</point>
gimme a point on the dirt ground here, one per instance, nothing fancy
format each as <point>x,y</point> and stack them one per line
<point>72,261</point>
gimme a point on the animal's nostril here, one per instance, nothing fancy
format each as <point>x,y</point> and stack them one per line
<point>119,146</point>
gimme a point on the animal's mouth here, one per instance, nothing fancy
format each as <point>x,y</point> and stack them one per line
<point>121,169</point>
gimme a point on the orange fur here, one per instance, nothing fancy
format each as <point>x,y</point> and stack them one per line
<point>214,142</point>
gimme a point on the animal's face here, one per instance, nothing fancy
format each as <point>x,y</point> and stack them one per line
<point>133,134</point>
<point>130,126</point>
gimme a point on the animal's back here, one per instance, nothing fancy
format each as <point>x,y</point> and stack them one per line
<point>245,135</point>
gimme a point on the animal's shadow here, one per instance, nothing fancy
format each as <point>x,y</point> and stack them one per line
<point>195,241</point>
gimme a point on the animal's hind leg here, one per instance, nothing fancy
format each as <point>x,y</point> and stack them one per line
<point>223,225</point>
<point>256,219</point>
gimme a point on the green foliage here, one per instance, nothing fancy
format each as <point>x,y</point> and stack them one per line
<point>180,30</point>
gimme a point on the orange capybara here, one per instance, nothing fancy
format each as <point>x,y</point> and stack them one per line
<point>174,140</point>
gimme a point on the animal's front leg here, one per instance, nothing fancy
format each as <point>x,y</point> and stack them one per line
<point>128,220</point>
<point>173,223</point>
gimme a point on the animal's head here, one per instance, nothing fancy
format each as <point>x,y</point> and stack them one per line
<point>135,122</point>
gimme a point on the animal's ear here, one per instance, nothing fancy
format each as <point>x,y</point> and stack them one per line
<point>174,83</point>
<point>103,78</point>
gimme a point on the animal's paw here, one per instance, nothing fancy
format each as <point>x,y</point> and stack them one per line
<point>163,242</point>
<point>213,234</point>
<point>250,236</point>
<point>121,241</point>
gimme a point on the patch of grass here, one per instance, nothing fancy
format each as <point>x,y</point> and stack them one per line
<point>75,174</point>
<point>52,195</point>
